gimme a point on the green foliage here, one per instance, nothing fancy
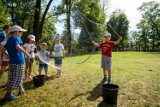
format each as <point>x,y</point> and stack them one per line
<point>4,16</point>
<point>119,22</point>
<point>149,27</point>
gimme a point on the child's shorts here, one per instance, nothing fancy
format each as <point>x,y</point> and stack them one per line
<point>41,66</point>
<point>31,60</point>
<point>58,60</point>
<point>5,63</point>
<point>106,62</point>
<point>16,75</point>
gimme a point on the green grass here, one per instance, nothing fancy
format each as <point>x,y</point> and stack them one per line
<point>136,73</point>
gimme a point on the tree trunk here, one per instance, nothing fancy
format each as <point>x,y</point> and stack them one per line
<point>37,19</point>
<point>43,19</point>
<point>68,5</point>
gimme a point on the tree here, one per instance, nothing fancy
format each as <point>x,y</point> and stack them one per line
<point>90,18</point>
<point>38,21</point>
<point>119,22</point>
<point>150,13</point>
<point>4,16</point>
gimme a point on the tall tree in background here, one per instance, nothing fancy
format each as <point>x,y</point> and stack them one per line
<point>38,21</point>
<point>68,13</point>
<point>150,13</point>
<point>4,15</point>
<point>119,22</point>
<point>89,16</point>
<point>20,11</point>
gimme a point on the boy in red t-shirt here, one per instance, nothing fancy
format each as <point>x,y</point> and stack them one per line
<point>106,47</point>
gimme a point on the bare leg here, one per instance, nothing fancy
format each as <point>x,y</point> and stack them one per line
<point>26,70</point>
<point>30,69</point>
<point>104,72</point>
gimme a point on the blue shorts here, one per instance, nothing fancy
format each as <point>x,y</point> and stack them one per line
<point>30,60</point>
<point>58,60</point>
<point>41,66</point>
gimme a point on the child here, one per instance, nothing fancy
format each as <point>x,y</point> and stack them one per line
<point>4,59</point>
<point>16,54</point>
<point>29,47</point>
<point>106,47</point>
<point>59,53</point>
<point>43,58</point>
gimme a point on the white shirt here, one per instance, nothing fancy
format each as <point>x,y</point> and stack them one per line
<point>30,49</point>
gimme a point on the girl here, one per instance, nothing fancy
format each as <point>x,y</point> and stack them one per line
<point>29,47</point>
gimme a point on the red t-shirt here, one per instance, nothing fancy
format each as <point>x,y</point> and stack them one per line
<point>107,48</point>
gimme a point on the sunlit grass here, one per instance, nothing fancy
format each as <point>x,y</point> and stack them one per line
<point>136,73</point>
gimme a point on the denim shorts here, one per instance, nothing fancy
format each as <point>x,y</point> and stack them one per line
<point>41,66</point>
<point>58,60</point>
<point>31,60</point>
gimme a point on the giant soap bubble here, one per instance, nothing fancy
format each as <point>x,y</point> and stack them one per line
<point>45,48</point>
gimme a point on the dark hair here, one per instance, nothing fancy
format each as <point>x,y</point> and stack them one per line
<point>6,27</point>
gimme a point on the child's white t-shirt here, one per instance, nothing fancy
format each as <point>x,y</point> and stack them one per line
<point>58,50</point>
<point>30,49</point>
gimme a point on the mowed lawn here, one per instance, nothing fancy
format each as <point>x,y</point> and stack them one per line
<point>136,73</point>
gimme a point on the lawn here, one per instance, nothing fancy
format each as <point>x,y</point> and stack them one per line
<point>136,73</point>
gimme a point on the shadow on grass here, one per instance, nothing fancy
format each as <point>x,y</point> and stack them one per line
<point>28,85</point>
<point>95,93</point>
<point>3,86</point>
<point>103,104</point>
<point>153,52</point>
<point>3,101</point>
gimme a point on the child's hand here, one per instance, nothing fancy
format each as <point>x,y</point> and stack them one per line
<point>92,41</point>
<point>120,38</point>
<point>28,56</point>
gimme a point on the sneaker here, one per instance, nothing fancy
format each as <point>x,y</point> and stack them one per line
<point>59,76</point>
<point>109,81</point>
<point>104,79</point>
<point>10,97</point>
<point>21,92</point>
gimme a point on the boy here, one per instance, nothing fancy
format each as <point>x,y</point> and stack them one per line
<point>17,60</point>
<point>106,47</point>
<point>43,58</point>
<point>59,53</point>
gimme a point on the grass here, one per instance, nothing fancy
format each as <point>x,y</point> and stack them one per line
<point>136,73</point>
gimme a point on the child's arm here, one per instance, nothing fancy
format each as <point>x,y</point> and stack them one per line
<point>22,50</point>
<point>94,43</point>
<point>63,53</point>
<point>119,39</point>
<point>2,51</point>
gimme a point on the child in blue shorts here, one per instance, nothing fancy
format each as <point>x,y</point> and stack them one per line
<point>43,55</point>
